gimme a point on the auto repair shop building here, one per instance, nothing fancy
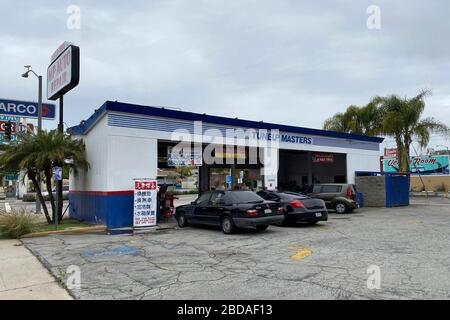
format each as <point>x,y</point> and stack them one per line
<point>127,141</point>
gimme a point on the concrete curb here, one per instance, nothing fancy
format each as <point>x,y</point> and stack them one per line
<point>66,231</point>
<point>431,194</point>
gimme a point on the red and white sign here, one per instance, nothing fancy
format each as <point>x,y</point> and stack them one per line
<point>322,158</point>
<point>63,74</point>
<point>60,49</point>
<point>145,202</point>
<point>390,152</point>
<point>22,127</point>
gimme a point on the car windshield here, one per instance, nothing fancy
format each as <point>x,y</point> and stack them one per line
<point>331,188</point>
<point>245,197</point>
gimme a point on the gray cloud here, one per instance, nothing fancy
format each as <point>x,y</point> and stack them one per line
<point>294,62</point>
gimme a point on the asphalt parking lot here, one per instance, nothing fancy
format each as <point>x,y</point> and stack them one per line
<point>409,245</point>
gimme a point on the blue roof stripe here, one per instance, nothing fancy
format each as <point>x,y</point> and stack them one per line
<point>83,127</point>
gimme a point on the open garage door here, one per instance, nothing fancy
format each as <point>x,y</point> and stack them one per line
<point>301,169</point>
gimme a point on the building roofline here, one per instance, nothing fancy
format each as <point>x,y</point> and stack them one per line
<point>129,108</point>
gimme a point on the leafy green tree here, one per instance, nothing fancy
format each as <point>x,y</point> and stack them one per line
<point>184,171</point>
<point>37,155</point>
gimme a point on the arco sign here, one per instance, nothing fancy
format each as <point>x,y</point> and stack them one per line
<point>26,109</point>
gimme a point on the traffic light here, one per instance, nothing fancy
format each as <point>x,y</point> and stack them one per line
<point>8,127</point>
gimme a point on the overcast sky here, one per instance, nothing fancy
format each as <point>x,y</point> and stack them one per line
<point>290,62</point>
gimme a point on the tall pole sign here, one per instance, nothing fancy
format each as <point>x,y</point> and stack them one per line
<point>63,74</point>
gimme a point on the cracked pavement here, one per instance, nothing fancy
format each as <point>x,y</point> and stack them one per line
<point>411,245</point>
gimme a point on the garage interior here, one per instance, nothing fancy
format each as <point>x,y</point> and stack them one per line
<point>299,169</point>
<point>245,175</point>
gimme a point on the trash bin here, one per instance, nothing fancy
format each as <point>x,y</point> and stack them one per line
<point>359,199</point>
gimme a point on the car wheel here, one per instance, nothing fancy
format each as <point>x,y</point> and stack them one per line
<point>261,228</point>
<point>340,207</point>
<point>182,221</point>
<point>227,225</point>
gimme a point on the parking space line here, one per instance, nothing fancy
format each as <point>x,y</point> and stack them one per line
<point>301,252</point>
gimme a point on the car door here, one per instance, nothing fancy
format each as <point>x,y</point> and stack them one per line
<point>201,207</point>
<point>215,207</point>
<point>328,194</point>
<point>316,192</point>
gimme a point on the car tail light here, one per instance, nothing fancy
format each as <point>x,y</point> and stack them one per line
<point>280,210</point>
<point>251,213</point>
<point>350,192</point>
<point>297,204</point>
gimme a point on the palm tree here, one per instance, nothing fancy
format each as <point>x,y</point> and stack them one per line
<point>37,154</point>
<point>392,116</point>
<point>392,122</point>
<point>358,120</point>
<point>340,122</point>
<point>402,120</point>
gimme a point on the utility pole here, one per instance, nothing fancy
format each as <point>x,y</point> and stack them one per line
<point>40,105</point>
<point>59,183</point>
<point>25,75</point>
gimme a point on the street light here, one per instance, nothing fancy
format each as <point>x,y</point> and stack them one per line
<point>25,75</point>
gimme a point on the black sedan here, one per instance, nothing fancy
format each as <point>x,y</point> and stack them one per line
<point>298,207</point>
<point>230,209</point>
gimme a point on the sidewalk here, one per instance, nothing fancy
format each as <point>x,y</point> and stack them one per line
<point>22,276</point>
<point>430,194</point>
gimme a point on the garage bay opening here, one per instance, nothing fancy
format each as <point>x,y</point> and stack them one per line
<point>299,170</point>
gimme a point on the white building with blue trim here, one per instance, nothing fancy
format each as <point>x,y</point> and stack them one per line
<point>127,141</point>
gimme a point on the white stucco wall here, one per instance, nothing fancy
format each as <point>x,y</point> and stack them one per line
<point>130,157</point>
<point>96,154</point>
<point>116,156</point>
<point>367,161</point>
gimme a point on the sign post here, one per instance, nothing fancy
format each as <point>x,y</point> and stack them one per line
<point>63,74</point>
<point>229,181</point>
<point>57,176</point>
<point>145,203</point>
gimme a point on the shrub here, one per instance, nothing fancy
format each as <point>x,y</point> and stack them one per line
<point>31,197</point>
<point>28,197</point>
<point>441,188</point>
<point>17,223</point>
<point>185,192</point>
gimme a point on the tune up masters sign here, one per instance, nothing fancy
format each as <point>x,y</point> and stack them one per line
<point>63,74</point>
<point>145,202</point>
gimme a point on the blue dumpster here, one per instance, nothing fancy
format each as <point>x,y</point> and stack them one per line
<point>359,199</point>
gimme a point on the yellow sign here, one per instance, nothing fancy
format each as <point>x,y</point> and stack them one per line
<point>230,155</point>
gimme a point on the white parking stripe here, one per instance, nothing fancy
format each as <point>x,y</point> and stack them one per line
<point>7,207</point>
